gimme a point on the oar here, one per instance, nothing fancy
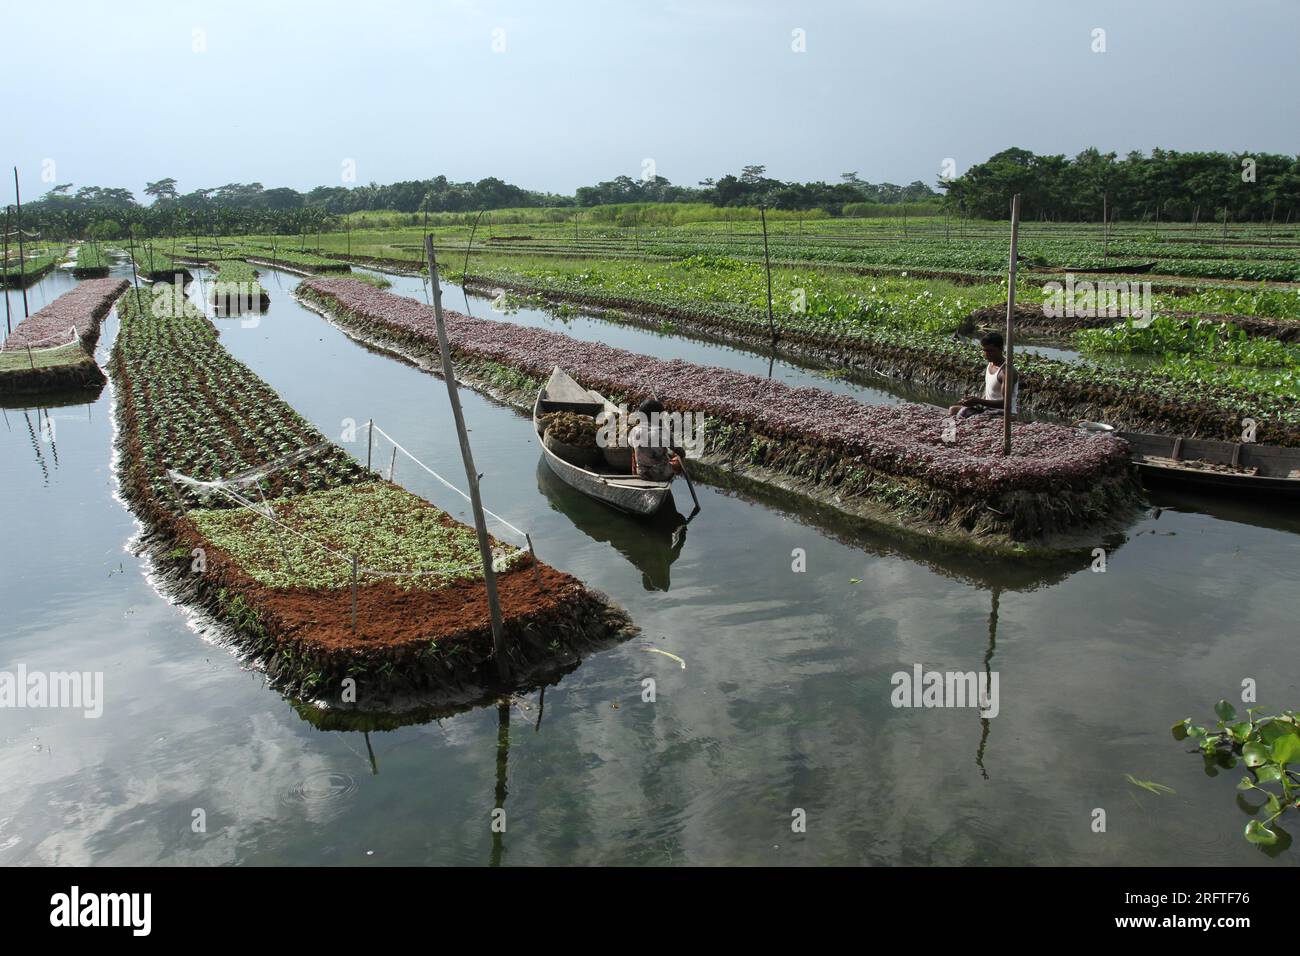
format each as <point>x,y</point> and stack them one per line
<point>681,460</point>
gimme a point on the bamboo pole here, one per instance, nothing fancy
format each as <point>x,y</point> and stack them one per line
<point>5,277</point>
<point>354,595</point>
<point>22,283</point>
<point>370,441</point>
<point>767,261</point>
<point>1105,228</point>
<point>1008,370</point>
<point>471,475</point>
<point>135,271</point>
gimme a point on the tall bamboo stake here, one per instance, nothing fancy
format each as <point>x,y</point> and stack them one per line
<point>5,278</point>
<point>1007,389</point>
<point>22,283</point>
<point>767,261</point>
<point>471,475</point>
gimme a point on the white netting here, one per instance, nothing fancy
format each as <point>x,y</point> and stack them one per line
<point>30,346</point>
<point>234,487</point>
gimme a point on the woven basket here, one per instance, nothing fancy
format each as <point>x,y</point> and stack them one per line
<point>618,457</point>
<point>582,457</point>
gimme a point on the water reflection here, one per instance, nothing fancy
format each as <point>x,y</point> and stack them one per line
<point>650,544</point>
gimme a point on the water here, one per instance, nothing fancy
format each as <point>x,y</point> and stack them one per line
<point>784,702</point>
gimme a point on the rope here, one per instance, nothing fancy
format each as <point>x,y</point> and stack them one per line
<point>397,445</point>
<point>26,346</point>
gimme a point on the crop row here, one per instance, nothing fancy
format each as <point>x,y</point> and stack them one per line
<point>990,258</point>
<point>205,414</point>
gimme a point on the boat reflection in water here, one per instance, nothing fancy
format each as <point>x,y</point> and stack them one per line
<point>651,543</point>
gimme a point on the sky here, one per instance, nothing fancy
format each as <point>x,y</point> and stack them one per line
<point>555,94</point>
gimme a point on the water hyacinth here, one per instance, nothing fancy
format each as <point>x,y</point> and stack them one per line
<point>907,440</point>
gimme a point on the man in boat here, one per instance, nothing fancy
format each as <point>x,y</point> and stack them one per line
<point>993,401</point>
<point>653,455</point>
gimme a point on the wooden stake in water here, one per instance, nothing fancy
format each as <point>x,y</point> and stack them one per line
<point>370,441</point>
<point>471,476</point>
<point>1007,388</point>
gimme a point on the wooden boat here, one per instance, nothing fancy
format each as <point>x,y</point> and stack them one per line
<point>626,492</point>
<point>1240,467</point>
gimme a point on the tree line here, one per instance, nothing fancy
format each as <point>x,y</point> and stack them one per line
<point>1165,184</point>
<point>108,212</point>
<point>1169,185</point>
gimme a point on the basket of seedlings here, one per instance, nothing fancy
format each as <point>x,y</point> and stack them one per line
<point>573,438</point>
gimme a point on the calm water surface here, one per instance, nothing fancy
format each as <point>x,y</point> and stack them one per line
<point>784,702</point>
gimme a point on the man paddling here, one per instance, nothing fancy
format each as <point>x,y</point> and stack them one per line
<point>653,456</point>
<point>993,400</point>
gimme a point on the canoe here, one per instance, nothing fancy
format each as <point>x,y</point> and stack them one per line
<point>1243,468</point>
<point>626,492</point>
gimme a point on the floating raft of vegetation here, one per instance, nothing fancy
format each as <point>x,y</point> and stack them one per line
<point>422,627</point>
<point>91,263</point>
<point>903,465</point>
<point>236,289</point>
<point>53,350</point>
<point>16,275</point>
<point>156,266</point>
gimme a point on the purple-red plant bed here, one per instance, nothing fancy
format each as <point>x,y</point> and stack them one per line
<point>52,350</point>
<point>911,460</point>
<point>81,308</point>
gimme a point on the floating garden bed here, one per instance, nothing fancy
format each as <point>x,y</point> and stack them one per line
<point>91,263</point>
<point>31,271</point>
<point>156,266</point>
<point>236,289</point>
<point>52,350</point>
<point>903,464</point>
<point>285,591</point>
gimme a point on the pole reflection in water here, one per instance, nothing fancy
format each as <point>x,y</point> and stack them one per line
<point>503,757</point>
<point>988,676</point>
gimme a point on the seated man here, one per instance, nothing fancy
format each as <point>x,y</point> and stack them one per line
<point>653,456</point>
<point>995,375</point>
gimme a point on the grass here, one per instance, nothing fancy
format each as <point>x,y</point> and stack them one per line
<point>388,529</point>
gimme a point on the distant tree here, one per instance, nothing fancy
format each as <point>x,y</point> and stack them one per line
<point>163,190</point>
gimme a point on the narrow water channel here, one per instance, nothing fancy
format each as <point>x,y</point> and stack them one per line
<point>783,703</point>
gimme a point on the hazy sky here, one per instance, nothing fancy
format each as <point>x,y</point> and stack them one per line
<point>283,93</point>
